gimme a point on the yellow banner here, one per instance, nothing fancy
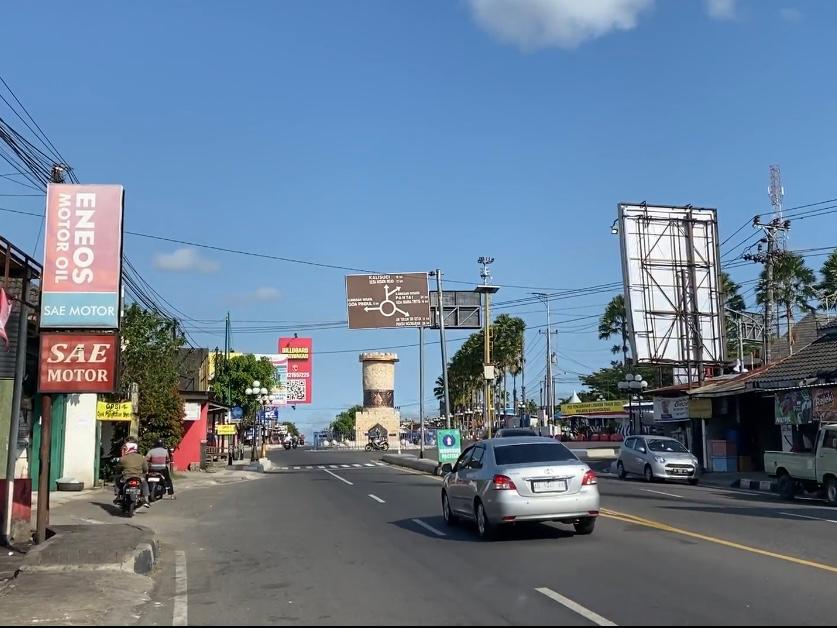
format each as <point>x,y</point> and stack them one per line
<point>120,411</point>
<point>700,408</point>
<point>591,407</point>
<point>225,429</point>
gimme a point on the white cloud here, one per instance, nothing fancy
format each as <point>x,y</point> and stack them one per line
<point>790,14</point>
<point>185,260</point>
<point>533,24</point>
<point>721,9</point>
<point>264,293</point>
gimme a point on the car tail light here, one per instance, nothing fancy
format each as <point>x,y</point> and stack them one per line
<point>589,479</point>
<point>503,483</point>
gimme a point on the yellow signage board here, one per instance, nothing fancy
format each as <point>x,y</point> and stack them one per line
<point>120,411</point>
<point>700,408</point>
<point>225,429</point>
<point>592,407</point>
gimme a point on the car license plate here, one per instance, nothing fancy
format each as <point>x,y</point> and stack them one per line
<point>681,471</point>
<point>549,486</point>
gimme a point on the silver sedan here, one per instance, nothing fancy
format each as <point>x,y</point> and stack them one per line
<point>657,458</point>
<point>520,479</point>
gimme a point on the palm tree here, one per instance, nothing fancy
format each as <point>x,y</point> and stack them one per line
<point>793,286</point>
<point>731,299</point>
<point>828,285</point>
<point>614,322</point>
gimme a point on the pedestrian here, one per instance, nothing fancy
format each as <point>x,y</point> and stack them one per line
<point>159,459</point>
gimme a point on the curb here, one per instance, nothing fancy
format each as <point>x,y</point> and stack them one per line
<point>767,486</point>
<point>427,465</point>
<point>139,560</point>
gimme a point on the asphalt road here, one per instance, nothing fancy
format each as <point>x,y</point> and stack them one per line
<point>361,544</point>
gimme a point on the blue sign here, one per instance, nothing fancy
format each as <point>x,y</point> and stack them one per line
<point>237,412</point>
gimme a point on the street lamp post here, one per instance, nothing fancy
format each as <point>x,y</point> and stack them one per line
<point>262,398</point>
<point>634,385</point>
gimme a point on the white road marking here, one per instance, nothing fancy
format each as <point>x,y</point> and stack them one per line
<point>648,490</point>
<point>90,521</point>
<point>428,527</point>
<point>369,464</point>
<point>181,601</point>
<point>333,466</point>
<point>345,466</point>
<point>357,465</point>
<point>320,466</point>
<point>790,514</point>
<point>377,499</point>
<point>339,478</point>
<point>297,468</point>
<point>575,607</point>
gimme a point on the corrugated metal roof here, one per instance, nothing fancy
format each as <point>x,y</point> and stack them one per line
<point>812,365</point>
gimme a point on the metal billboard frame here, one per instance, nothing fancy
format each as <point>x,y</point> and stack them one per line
<point>671,277</point>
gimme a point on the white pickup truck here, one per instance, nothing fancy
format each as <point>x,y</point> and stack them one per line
<point>810,472</point>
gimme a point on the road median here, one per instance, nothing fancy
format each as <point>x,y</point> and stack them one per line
<point>426,465</point>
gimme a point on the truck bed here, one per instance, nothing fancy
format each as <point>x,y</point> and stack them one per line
<point>801,466</point>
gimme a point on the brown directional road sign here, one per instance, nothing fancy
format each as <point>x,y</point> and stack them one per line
<point>381,301</point>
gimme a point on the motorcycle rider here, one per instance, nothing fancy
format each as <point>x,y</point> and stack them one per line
<point>133,465</point>
<point>159,459</point>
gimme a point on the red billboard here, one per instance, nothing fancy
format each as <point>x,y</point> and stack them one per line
<point>80,285</point>
<point>78,363</point>
<point>300,360</point>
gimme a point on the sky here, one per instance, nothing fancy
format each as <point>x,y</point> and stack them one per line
<point>413,135</point>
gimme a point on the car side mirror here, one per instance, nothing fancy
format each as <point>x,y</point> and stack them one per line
<point>643,450</point>
<point>475,464</point>
<point>447,468</point>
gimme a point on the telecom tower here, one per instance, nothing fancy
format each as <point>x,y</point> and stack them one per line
<point>776,192</point>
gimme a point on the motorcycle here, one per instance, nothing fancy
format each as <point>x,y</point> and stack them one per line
<point>130,496</point>
<point>287,445</point>
<point>294,443</point>
<point>156,486</point>
<point>377,445</point>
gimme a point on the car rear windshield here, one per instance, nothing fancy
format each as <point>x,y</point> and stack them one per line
<point>670,446</point>
<point>526,453</point>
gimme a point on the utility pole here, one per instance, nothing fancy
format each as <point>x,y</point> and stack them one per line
<point>523,379</point>
<point>550,392</point>
<point>488,368</point>
<point>440,312</point>
<point>774,230</point>
<point>421,391</point>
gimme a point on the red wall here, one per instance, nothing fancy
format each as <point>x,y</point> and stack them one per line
<point>189,450</point>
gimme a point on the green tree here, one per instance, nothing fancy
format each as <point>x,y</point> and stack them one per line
<point>150,359</point>
<point>614,322</point>
<point>291,427</point>
<point>828,285</point>
<point>731,299</point>
<point>793,286</point>
<point>343,425</point>
<point>236,375</point>
<point>605,381</point>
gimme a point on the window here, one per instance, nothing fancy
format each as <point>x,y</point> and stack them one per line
<point>478,454</point>
<point>667,446</point>
<point>830,439</point>
<point>630,443</point>
<point>463,459</point>
<point>532,453</point>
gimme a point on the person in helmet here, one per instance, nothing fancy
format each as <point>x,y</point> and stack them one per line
<point>159,459</point>
<point>133,465</point>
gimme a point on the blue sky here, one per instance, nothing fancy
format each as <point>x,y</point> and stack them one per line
<point>405,136</point>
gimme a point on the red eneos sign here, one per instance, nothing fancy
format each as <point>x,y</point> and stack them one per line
<point>300,360</point>
<point>78,363</point>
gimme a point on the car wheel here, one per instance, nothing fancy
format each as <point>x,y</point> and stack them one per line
<point>620,471</point>
<point>648,474</point>
<point>447,512</point>
<point>485,528</point>
<point>787,487</point>
<point>585,526</point>
<point>831,491</point>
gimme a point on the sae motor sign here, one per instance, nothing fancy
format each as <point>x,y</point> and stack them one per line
<point>78,363</point>
<point>82,257</point>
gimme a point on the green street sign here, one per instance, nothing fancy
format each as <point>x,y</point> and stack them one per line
<point>449,443</point>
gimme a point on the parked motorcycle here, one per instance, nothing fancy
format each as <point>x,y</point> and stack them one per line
<point>377,445</point>
<point>130,496</point>
<point>156,486</point>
